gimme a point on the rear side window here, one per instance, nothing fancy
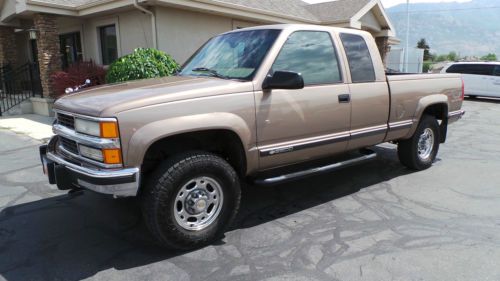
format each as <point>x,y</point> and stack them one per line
<point>476,69</point>
<point>359,58</point>
<point>312,54</point>
<point>497,71</point>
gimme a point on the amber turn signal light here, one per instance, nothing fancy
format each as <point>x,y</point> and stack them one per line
<point>109,130</point>
<point>112,156</point>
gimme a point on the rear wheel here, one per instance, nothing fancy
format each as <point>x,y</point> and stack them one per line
<point>419,152</point>
<point>191,200</point>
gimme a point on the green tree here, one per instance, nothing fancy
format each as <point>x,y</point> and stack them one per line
<point>452,56</point>
<point>489,57</point>
<point>441,58</point>
<point>422,44</point>
<point>427,66</point>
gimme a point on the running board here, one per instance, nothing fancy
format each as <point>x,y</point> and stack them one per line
<point>368,155</point>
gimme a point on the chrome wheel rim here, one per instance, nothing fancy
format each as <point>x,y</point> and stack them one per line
<point>425,144</point>
<point>198,203</point>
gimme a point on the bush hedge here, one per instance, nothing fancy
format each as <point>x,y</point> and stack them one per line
<point>141,64</point>
<point>75,75</point>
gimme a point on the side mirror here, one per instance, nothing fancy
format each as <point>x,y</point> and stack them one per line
<point>284,80</point>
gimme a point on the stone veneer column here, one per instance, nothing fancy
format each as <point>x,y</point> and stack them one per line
<point>49,58</point>
<point>7,46</point>
<point>383,47</point>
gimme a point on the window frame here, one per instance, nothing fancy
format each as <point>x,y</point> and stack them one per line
<point>348,62</point>
<point>335,46</point>
<point>100,41</point>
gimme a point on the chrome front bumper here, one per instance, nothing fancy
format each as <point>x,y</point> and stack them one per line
<point>67,174</point>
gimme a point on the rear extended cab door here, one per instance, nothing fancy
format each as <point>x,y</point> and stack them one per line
<point>299,125</point>
<point>370,101</point>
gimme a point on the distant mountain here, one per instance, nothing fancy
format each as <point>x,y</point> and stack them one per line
<point>470,28</point>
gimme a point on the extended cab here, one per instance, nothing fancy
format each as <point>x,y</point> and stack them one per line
<point>251,104</point>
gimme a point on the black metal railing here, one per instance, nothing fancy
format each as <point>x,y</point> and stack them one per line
<point>18,84</point>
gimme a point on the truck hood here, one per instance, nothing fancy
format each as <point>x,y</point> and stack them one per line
<point>108,100</point>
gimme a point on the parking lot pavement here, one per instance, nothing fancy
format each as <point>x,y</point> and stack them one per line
<point>376,221</point>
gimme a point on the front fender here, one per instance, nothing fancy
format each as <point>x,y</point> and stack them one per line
<point>145,136</point>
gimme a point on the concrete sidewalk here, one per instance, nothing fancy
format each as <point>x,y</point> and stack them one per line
<point>32,125</point>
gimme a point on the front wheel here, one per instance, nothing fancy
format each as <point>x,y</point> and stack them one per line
<point>191,200</point>
<point>419,152</point>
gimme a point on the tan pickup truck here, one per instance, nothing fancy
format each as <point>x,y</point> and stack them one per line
<point>261,104</point>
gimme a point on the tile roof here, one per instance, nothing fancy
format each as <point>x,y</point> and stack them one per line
<point>296,8</point>
<point>339,10</point>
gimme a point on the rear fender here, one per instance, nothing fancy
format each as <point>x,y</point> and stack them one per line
<point>423,104</point>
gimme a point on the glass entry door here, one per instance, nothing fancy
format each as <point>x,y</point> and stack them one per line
<point>71,48</point>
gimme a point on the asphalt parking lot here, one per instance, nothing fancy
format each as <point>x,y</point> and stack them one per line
<point>376,221</point>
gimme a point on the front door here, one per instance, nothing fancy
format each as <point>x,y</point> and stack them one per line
<point>298,125</point>
<point>71,48</point>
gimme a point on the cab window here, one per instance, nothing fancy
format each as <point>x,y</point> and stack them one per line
<point>312,54</point>
<point>359,58</point>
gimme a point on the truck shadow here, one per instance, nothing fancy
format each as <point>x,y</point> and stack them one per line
<point>72,237</point>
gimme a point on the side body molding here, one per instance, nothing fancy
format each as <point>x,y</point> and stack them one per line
<point>145,136</point>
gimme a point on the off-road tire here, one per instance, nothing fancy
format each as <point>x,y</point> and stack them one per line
<point>161,189</point>
<point>408,149</point>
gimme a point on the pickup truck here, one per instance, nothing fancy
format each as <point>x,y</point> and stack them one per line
<point>261,104</point>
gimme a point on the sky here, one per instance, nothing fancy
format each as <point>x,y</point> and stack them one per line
<point>390,3</point>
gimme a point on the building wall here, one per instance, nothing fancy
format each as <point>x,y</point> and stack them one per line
<point>133,30</point>
<point>181,33</point>
<point>396,60</point>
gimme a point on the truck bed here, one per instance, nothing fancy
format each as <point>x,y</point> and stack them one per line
<point>407,90</point>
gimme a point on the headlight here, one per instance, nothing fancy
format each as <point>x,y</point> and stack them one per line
<point>92,153</point>
<point>105,129</point>
<point>87,127</point>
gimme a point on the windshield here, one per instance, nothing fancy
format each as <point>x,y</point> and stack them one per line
<point>236,55</point>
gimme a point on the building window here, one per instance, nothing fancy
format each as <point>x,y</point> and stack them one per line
<point>109,46</point>
<point>71,48</point>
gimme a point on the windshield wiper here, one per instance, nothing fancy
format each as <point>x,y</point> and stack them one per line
<point>212,72</point>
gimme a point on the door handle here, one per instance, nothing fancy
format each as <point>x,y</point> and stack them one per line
<point>345,98</point>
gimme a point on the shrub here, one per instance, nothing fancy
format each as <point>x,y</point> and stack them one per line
<point>427,66</point>
<point>141,64</point>
<point>75,75</point>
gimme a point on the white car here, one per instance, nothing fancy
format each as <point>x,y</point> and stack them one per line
<point>480,78</point>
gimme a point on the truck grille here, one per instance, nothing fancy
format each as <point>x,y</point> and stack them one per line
<point>69,145</point>
<point>66,120</point>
